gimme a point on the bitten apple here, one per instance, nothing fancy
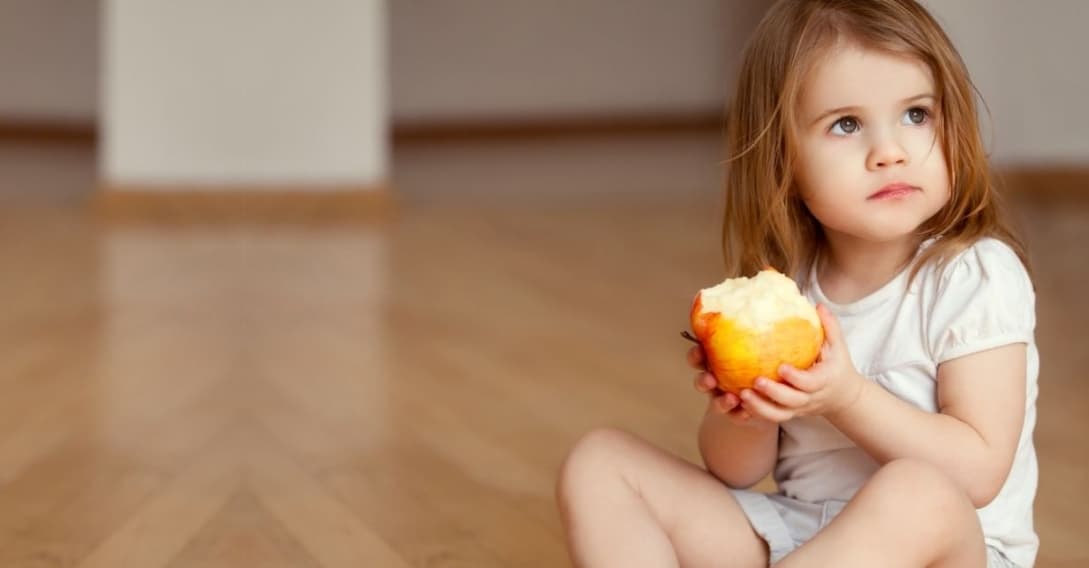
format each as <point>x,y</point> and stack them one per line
<point>749,327</point>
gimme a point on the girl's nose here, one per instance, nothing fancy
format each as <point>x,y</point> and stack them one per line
<point>886,152</point>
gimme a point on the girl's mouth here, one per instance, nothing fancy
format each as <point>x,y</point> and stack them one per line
<point>893,191</point>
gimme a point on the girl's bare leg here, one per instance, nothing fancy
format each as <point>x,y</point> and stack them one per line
<point>626,503</point>
<point>908,514</point>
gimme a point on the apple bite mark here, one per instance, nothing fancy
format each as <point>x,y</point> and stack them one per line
<point>749,327</point>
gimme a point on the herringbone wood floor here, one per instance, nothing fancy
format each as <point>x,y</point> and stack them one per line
<point>391,394</point>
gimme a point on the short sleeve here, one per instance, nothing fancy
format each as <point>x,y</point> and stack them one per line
<point>981,300</point>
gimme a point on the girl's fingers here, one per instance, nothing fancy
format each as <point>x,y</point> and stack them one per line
<point>709,383</point>
<point>695,357</point>
<point>804,381</point>
<point>757,405</point>
<point>784,395</point>
<point>726,402</point>
<point>739,415</point>
<point>705,382</point>
<point>830,324</point>
<point>826,351</point>
<point>701,383</point>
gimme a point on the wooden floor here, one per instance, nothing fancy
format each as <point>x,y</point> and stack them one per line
<point>399,393</point>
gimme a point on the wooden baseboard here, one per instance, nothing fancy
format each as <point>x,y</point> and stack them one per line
<point>44,130</point>
<point>47,130</point>
<point>238,204</point>
<point>1058,182</point>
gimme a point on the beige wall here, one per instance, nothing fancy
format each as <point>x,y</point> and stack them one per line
<point>495,60</point>
<point>246,92</point>
<point>48,59</point>
<point>449,59</point>
<point>1029,60</point>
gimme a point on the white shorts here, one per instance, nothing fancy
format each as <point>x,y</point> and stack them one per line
<point>785,523</point>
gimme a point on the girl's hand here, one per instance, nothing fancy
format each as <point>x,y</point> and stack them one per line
<point>723,402</point>
<point>830,386</point>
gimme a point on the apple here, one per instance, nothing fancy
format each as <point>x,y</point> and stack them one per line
<point>749,327</point>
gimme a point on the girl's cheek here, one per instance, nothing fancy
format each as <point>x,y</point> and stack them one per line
<point>928,149</point>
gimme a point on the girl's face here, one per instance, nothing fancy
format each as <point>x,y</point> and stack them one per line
<point>870,165</point>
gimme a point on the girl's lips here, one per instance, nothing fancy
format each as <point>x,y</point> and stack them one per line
<point>893,190</point>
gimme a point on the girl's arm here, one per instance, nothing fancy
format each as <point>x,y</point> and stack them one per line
<point>973,437</point>
<point>738,454</point>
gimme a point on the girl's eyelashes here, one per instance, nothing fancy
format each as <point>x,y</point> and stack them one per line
<point>917,116</point>
<point>847,125</point>
<point>844,126</point>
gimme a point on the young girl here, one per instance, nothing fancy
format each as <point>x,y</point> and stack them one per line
<point>857,167</point>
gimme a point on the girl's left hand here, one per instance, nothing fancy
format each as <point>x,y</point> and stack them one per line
<point>829,386</point>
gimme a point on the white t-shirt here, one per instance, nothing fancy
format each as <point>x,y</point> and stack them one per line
<point>982,299</point>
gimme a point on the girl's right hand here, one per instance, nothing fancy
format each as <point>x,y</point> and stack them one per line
<point>723,402</point>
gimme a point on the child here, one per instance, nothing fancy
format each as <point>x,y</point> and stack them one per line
<point>857,167</point>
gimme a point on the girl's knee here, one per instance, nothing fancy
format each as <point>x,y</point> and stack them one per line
<point>915,485</point>
<point>597,455</point>
<point>913,495</point>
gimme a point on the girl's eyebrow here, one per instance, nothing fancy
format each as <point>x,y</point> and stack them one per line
<point>845,109</point>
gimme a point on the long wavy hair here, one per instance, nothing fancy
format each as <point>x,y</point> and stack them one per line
<point>765,221</point>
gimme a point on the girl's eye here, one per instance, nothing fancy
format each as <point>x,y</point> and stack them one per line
<point>916,116</point>
<point>844,126</point>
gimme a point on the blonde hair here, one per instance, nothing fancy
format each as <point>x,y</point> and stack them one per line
<point>765,221</point>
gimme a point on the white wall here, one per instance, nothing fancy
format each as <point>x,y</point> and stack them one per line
<point>244,91</point>
<point>501,60</point>
<point>1029,60</point>
<point>448,59</point>
<point>487,59</point>
<point>48,60</point>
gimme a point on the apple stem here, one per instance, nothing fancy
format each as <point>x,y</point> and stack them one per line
<point>689,337</point>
